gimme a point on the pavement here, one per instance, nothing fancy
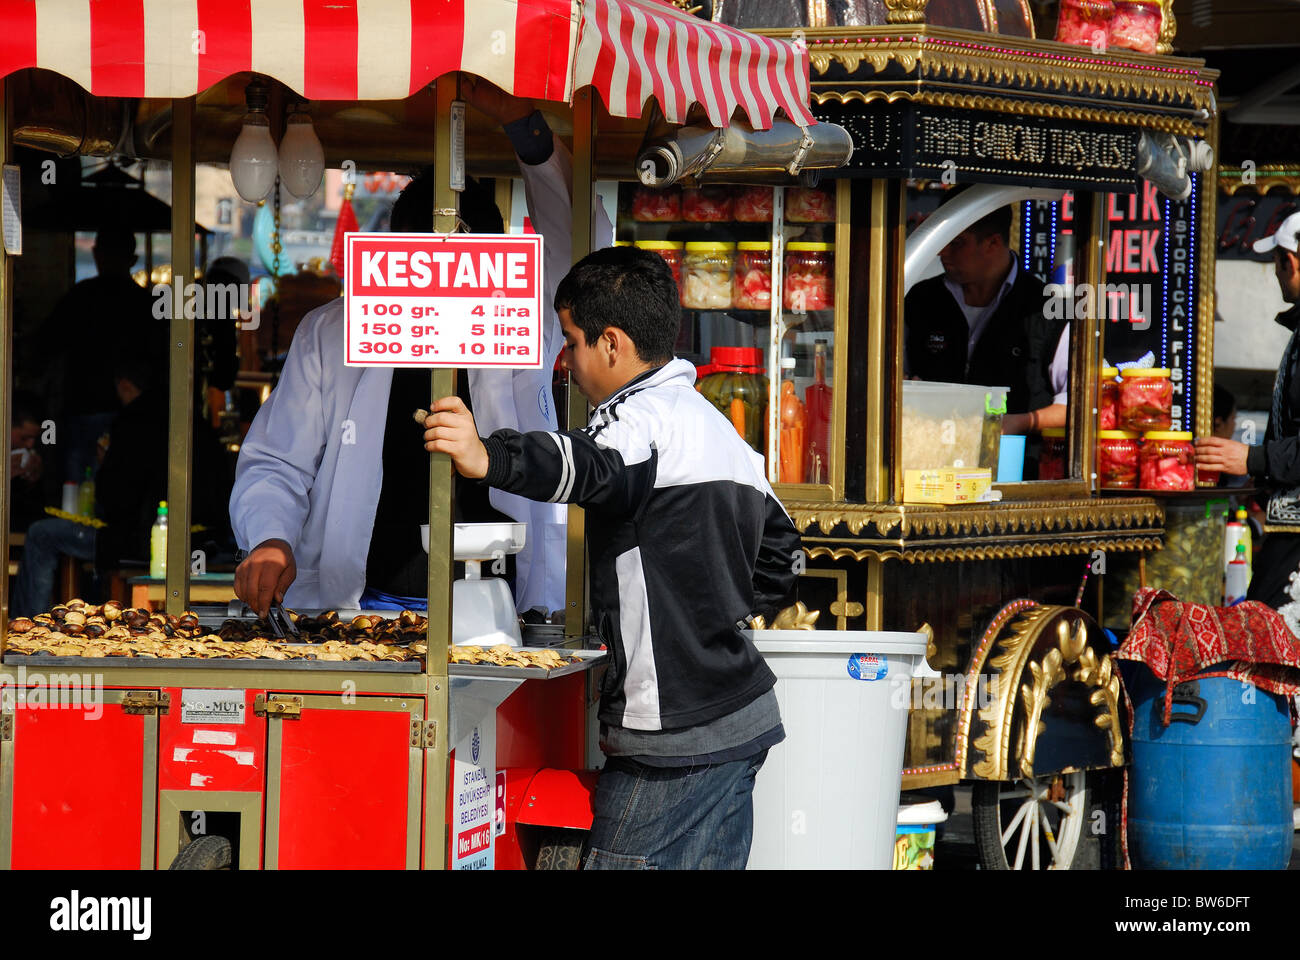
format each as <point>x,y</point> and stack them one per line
<point>956,849</point>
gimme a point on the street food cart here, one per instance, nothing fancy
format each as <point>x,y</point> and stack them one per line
<point>1025,703</point>
<point>318,757</point>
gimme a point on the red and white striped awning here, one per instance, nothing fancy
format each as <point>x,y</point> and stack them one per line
<point>628,50</point>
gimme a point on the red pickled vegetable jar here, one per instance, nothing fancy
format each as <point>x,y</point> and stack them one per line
<point>1052,458</point>
<point>751,284</point>
<point>657,206</point>
<point>1146,399</point>
<point>809,205</point>
<point>809,276</point>
<point>1084,22</point>
<point>1135,25</point>
<point>1108,403</point>
<point>1167,461</point>
<point>710,204</point>
<point>671,251</point>
<point>752,205</point>
<point>1117,459</point>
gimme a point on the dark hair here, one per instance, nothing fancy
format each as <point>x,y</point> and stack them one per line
<point>27,408</point>
<point>115,241</point>
<point>413,208</point>
<point>997,223</point>
<point>627,288</point>
<point>1224,403</point>
<point>134,368</point>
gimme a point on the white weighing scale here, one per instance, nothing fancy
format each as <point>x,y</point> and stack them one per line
<point>483,609</point>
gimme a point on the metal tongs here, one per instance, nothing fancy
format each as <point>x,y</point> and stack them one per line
<point>281,623</point>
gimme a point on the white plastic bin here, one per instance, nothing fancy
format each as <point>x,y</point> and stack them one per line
<point>827,797</point>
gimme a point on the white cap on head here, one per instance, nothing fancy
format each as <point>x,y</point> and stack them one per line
<point>1287,236</point>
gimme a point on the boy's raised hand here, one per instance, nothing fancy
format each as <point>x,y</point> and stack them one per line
<point>450,429</point>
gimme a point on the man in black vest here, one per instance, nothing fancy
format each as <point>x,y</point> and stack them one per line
<point>983,322</point>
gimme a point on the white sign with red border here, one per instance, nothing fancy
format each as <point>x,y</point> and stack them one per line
<point>443,300</point>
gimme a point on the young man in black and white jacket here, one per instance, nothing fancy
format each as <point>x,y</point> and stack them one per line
<point>687,542</point>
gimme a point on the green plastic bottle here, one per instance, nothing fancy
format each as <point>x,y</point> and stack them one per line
<point>86,494</point>
<point>158,543</point>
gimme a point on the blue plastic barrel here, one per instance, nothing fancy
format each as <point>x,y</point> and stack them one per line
<point>1211,791</point>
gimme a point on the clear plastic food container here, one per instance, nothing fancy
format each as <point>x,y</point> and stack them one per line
<point>657,206</point>
<point>1117,459</point>
<point>1135,25</point>
<point>1167,461</point>
<point>1084,22</point>
<point>711,204</point>
<point>671,251</point>
<point>944,424</point>
<point>751,287</point>
<point>1146,400</point>
<point>706,275</point>
<point>752,205</point>
<point>809,276</point>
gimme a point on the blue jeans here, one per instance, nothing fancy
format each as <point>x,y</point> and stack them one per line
<point>47,540</point>
<point>673,818</point>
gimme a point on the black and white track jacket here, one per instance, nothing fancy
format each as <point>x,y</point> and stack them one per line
<point>686,540</point>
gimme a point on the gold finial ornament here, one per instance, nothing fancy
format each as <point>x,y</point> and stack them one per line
<point>688,6</point>
<point>906,11</point>
<point>1168,27</point>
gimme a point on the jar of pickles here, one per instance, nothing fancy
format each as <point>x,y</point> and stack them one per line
<point>1146,400</point>
<point>1117,459</point>
<point>1053,456</point>
<point>752,205</point>
<point>657,206</point>
<point>1084,22</point>
<point>809,205</point>
<point>751,285</point>
<point>1167,461</point>
<point>710,204</point>
<point>671,251</point>
<point>1135,25</point>
<point>1108,400</point>
<point>706,275</point>
<point>734,382</point>
<point>809,276</point>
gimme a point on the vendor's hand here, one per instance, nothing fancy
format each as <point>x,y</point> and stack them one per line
<point>486,96</point>
<point>31,466</point>
<point>265,574</point>
<point>450,429</point>
<point>1226,456</point>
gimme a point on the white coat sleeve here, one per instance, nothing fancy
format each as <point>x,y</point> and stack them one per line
<point>280,456</point>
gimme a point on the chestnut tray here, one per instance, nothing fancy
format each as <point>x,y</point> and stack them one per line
<point>200,663</point>
<point>586,660</point>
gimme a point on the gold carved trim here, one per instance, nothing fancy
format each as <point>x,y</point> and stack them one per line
<point>1168,27</point>
<point>1160,123</point>
<point>1039,66</point>
<point>1266,177</point>
<point>1001,552</point>
<point>1045,674</point>
<point>798,617</point>
<point>905,11</point>
<point>1080,515</point>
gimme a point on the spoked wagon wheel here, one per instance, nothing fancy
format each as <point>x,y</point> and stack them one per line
<point>1033,824</point>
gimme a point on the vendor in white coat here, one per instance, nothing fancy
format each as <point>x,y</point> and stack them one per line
<point>323,520</point>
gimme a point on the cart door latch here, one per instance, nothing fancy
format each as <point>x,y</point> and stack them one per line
<point>6,727</point>
<point>424,733</point>
<point>144,702</point>
<point>278,705</point>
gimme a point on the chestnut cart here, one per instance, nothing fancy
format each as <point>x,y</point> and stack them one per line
<point>1086,146</point>
<point>343,764</point>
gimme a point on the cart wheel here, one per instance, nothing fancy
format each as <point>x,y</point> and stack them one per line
<point>559,850</point>
<point>203,853</point>
<point>1034,824</point>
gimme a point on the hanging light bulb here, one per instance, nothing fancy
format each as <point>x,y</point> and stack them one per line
<point>253,159</point>
<point>302,161</point>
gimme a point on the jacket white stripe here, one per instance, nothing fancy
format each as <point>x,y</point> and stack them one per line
<point>566,468</point>
<point>641,683</point>
<point>569,467</point>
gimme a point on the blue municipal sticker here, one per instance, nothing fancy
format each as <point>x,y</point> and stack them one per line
<point>868,666</point>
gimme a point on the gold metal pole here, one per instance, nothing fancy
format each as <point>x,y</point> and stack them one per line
<point>879,401</point>
<point>6,374</point>
<point>1207,230</point>
<point>584,206</point>
<point>1090,209</point>
<point>441,515</point>
<point>180,427</point>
